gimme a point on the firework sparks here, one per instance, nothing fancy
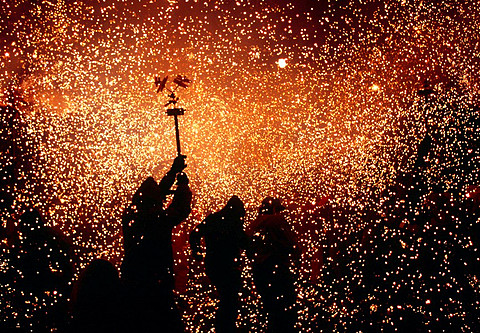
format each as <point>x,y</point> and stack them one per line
<point>327,121</point>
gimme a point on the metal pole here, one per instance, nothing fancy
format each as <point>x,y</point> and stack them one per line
<point>177,135</point>
<point>181,81</point>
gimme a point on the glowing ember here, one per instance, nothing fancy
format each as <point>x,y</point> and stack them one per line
<point>282,63</point>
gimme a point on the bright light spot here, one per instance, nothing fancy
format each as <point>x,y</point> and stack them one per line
<point>282,63</point>
<point>375,87</point>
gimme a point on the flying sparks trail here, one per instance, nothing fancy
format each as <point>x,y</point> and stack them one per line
<point>303,100</point>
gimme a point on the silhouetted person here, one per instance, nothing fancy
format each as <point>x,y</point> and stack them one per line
<point>147,268</point>
<point>43,272</point>
<point>224,239</point>
<point>272,244</point>
<point>98,300</point>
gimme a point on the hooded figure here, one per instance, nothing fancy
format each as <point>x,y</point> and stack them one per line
<point>98,301</point>
<point>42,273</point>
<point>272,244</point>
<point>147,268</point>
<point>224,240</point>
<point>45,255</point>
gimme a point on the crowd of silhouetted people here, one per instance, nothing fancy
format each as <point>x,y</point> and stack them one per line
<point>43,293</point>
<point>140,298</point>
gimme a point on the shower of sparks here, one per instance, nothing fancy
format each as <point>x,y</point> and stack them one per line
<point>301,100</point>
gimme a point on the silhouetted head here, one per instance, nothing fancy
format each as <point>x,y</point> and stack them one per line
<point>277,206</point>
<point>182,179</point>
<point>270,205</point>
<point>148,194</point>
<point>98,284</point>
<point>235,206</point>
<point>99,273</point>
<point>266,207</point>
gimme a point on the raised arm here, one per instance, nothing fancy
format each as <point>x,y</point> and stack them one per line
<point>167,181</point>
<point>180,207</point>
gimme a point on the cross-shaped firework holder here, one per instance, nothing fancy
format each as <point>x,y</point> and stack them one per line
<point>179,81</point>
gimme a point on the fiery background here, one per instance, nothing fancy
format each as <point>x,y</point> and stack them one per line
<point>301,100</point>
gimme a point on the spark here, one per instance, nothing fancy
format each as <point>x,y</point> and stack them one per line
<point>282,62</point>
